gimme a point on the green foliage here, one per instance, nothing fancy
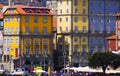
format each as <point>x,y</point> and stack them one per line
<point>104,59</point>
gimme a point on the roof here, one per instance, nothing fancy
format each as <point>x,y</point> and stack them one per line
<point>29,10</point>
<point>54,22</point>
<point>112,37</point>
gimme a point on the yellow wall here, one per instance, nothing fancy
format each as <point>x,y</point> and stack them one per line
<point>40,24</point>
<point>70,22</point>
<point>12,23</point>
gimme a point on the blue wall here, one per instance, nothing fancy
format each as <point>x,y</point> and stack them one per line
<point>100,9</point>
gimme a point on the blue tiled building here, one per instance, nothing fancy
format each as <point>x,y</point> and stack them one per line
<point>101,22</point>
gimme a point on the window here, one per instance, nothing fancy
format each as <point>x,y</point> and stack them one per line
<point>26,19</point>
<point>35,30</point>
<point>76,29</point>
<point>66,28</point>
<point>99,40</point>
<point>84,29</point>
<point>118,33</point>
<point>60,11</point>
<point>84,3</point>
<point>17,40</point>
<point>76,19</point>
<point>12,31</point>
<point>108,29</point>
<point>44,19</point>
<point>91,12</point>
<point>8,19</point>
<point>75,39</point>
<point>36,42</point>
<point>60,2</point>
<point>119,24</point>
<point>100,29</point>
<point>66,19</point>
<point>91,40</point>
<point>8,31</point>
<point>84,11</point>
<point>35,19</point>
<point>91,3</point>
<point>84,19</point>
<point>18,19</point>
<point>46,50</point>
<point>44,30</point>
<point>83,48</point>
<point>67,2</point>
<point>91,20</point>
<point>5,58</point>
<point>75,48</point>
<point>1,23</point>
<point>36,50</point>
<point>100,20</point>
<point>60,28</point>
<point>107,12</point>
<point>92,29</point>
<point>75,2</point>
<point>27,50</point>
<point>17,30</point>
<point>99,12</point>
<point>83,39</point>
<point>5,41</point>
<point>60,19</point>
<point>27,30</point>
<point>67,11</point>
<point>76,11</point>
<point>107,3</point>
<point>100,3</point>
<point>27,41</point>
<point>45,42</point>
<point>108,20</point>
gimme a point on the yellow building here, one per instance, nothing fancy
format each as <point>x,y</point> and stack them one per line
<point>72,30</point>
<point>28,36</point>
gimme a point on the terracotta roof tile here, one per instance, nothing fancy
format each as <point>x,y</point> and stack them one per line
<point>31,10</point>
<point>112,37</point>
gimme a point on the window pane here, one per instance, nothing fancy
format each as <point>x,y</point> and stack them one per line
<point>27,19</point>
<point>27,29</point>
<point>35,30</point>
<point>44,30</point>
<point>27,50</point>
<point>35,19</point>
<point>44,19</point>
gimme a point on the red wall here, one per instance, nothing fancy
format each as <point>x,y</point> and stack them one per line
<point>111,45</point>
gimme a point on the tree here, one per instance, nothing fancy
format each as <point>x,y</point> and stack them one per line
<point>104,59</point>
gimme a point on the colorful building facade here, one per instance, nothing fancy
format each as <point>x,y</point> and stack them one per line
<point>84,25</point>
<point>28,35</point>
<point>101,23</point>
<point>72,29</point>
